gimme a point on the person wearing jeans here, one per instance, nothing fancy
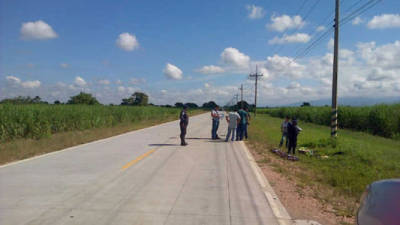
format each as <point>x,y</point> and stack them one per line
<point>215,123</point>
<point>233,119</point>
<point>284,130</point>
<point>241,126</point>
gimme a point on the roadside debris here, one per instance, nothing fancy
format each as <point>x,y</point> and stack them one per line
<point>284,155</point>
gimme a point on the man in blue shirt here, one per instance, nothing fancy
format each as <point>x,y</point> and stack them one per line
<point>244,117</point>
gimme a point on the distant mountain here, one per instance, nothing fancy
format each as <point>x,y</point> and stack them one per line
<point>352,101</point>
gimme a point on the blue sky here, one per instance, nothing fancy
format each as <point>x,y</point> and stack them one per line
<point>57,48</point>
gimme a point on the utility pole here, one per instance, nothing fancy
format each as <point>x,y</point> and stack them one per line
<point>241,95</point>
<point>334,122</point>
<point>256,76</point>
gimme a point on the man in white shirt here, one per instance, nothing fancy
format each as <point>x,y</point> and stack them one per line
<point>233,119</point>
<point>215,123</point>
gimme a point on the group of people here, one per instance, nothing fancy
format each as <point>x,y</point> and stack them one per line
<point>237,120</point>
<point>290,130</point>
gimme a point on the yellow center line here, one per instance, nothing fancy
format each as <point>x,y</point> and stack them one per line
<point>129,164</point>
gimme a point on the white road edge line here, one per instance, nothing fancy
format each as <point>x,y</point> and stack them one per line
<point>277,207</point>
<point>89,143</point>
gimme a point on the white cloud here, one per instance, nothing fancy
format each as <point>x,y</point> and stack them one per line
<point>104,82</point>
<point>320,28</point>
<point>172,72</point>
<point>164,91</point>
<point>64,65</point>
<point>330,44</point>
<point>207,85</point>
<point>127,42</point>
<point>38,30</point>
<point>233,57</point>
<point>121,89</point>
<point>79,81</point>
<point>385,21</point>
<point>136,81</point>
<point>295,38</point>
<point>293,85</point>
<point>13,79</point>
<point>211,69</point>
<point>255,12</point>
<point>118,82</point>
<point>26,84</point>
<point>285,22</point>
<point>357,21</point>
<point>31,84</point>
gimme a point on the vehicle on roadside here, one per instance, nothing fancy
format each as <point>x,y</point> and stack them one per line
<point>380,204</point>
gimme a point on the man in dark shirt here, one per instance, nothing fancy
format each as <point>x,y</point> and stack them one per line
<point>293,131</point>
<point>183,124</point>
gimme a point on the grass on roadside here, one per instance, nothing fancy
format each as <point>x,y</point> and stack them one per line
<point>355,159</point>
<point>23,148</point>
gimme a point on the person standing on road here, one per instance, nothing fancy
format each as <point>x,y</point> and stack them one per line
<point>293,131</point>
<point>247,124</point>
<point>244,117</point>
<point>233,119</point>
<point>184,121</point>
<point>215,123</point>
<point>284,130</point>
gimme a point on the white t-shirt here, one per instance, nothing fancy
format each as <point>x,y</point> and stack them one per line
<point>233,117</point>
<point>216,114</point>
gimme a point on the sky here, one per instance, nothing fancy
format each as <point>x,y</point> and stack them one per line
<point>197,51</point>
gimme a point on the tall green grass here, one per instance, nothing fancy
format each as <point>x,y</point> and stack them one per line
<point>363,158</point>
<point>37,121</point>
<point>382,120</point>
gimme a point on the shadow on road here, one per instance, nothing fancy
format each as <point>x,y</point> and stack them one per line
<point>163,145</point>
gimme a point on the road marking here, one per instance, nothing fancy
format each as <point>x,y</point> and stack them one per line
<point>129,164</point>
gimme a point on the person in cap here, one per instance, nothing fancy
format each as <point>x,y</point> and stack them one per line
<point>233,119</point>
<point>184,121</point>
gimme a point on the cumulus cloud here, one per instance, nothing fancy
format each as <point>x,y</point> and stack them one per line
<point>320,28</point>
<point>295,38</point>
<point>136,81</point>
<point>255,12</point>
<point>385,21</point>
<point>211,69</point>
<point>13,80</point>
<point>79,81</point>
<point>293,85</point>
<point>357,21</point>
<point>172,72</point>
<point>233,57</point>
<point>104,82</point>
<point>285,22</point>
<point>31,84</point>
<point>64,65</point>
<point>38,30</point>
<point>164,91</point>
<point>127,42</point>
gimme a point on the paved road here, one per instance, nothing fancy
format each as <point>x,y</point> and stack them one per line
<point>142,177</point>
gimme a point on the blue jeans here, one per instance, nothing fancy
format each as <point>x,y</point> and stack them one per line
<point>215,125</point>
<point>239,132</point>
<point>284,136</point>
<point>230,130</point>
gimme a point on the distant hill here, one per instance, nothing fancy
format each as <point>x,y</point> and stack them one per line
<point>352,101</point>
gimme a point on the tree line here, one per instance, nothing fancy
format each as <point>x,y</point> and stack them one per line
<point>136,99</point>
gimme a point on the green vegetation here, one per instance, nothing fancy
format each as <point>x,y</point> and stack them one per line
<point>353,160</point>
<point>83,99</point>
<point>136,99</point>
<point>37,121</point>
<point>382,120</point>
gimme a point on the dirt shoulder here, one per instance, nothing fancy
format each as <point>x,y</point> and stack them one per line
<point>302,198</point>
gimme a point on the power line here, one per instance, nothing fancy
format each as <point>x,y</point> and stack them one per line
<point>256,76</point>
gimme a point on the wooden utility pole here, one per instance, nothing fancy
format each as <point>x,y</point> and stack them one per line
<point>334,122</point>
<point>256,76</point>
<point>241,95</point>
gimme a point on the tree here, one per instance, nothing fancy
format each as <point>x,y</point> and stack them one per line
<point>83,99</point>
<point>179,105</point>
<point>57,102</point>
<point>23,100</point>
<point>136,99</point>
<point>191,105</point>
<point>305,104</point>
<point>209,105</point>
<point>245,105</point>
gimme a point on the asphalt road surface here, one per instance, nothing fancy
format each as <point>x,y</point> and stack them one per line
<point>142,177</point>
